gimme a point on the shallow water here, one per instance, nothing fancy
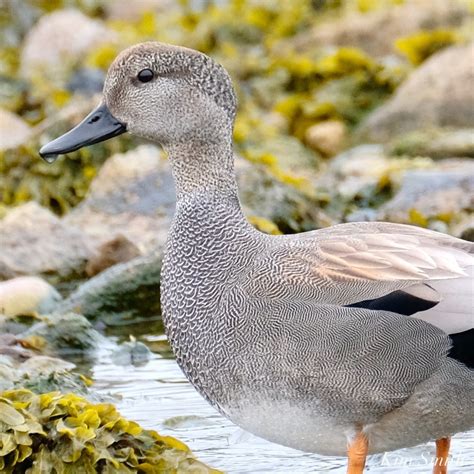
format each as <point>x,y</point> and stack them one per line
<point>158,396</point>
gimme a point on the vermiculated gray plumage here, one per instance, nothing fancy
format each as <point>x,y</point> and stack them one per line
<point>276,331</point>
<point>251,331</point>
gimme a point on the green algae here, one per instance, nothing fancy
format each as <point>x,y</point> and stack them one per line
<point>65,433</point>
<point>422,44</point>
<point>25,177</point>
<point>63,382</point>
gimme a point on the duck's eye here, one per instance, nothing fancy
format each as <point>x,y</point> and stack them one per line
<point>145,75</point>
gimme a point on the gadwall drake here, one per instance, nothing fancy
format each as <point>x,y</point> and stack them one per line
<point>354,339</point>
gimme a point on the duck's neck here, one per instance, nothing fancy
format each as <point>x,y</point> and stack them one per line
<point>203,168</point>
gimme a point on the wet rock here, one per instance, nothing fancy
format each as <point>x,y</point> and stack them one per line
<point>44,365</point>
<point>11,349</point>
<point>132,352</point>
<point>456,143</point>
<point>366,185</point>
<point>327,137</point>
<point>58,40</point>
<point>34,241</point>
<point>133,195</point>
<point>11,326</point>
<point>437,94</point>
<point>27,296</point>
<point>121,293</point>
<point>42,374</point>
<point>117,250</point>
<point>14,130</point>
<point>443,193</point>
<point>8,373</point>
<point>159,344</point>
<point>60,380</point>
<point>435,143</point>
<point>64,333</point>
<point>377,31</point>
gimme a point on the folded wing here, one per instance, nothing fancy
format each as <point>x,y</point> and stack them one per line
<point>392,267</point>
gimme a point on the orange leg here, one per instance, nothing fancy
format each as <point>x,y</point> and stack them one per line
<point>356,453</point>
<point>442,453</point>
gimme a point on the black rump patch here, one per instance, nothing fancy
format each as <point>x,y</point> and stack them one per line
<point>463,347</point>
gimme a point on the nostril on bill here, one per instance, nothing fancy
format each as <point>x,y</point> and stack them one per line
<point>94,118</point>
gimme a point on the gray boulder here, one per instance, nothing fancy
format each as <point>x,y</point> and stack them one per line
<point>440,93</point>
<point>366,184</point>
<point>36,242</point>
<point>131,352</point>
<point>58,40</point>
<point>444,193</point>
<point>123,292</point>
<point>65,333</point>
<point>133,195</point>
<point>444,143</point>
<point>42,374</point>
<point>44,365</point>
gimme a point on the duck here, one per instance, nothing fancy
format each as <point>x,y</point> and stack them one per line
<point>349,340</point>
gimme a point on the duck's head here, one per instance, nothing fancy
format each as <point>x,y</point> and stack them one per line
<point>161,92</point>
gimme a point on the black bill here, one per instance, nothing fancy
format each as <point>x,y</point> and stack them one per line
<point>98,126</point>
